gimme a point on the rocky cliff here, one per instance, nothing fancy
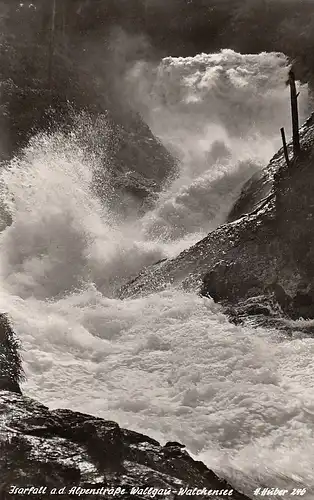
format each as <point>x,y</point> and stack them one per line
<point>265,251</point>
<point>69,454</point>
<point>135,160</point>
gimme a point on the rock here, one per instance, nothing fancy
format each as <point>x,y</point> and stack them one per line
<point>139,167</point>
<point>257,188</point>
<point>10,361</point>
<point>171,444</point>
<point>268,251</point>
<point>65,449</point>
<point>136,161</point>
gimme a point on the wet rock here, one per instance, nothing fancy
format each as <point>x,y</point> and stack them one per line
<point>222,282</point>
<point>65,449</point>
<point>10,361</point>
<point>136,161</point>
<point>171,444</point>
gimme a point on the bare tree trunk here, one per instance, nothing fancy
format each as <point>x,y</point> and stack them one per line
<point>295,114</point>
<point>284,143</point>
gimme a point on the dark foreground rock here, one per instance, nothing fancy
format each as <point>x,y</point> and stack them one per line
<point>69,450</point>
<point>68,454</point>
<point>267,252</point>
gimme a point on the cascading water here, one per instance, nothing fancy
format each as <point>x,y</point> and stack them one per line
<point>221,115</point>
<point>169,364</point>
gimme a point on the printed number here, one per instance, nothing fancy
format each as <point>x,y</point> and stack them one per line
<point>300,492</point>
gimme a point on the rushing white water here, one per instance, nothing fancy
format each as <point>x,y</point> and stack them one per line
<point>169,364</point>
<point>221,115</point>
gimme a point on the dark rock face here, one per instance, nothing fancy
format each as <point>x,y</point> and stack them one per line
<point>10,361</point>
<point>268,251</point>
<point>139,165</point>
<point>64,449</point>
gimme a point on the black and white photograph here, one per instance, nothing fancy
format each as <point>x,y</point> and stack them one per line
<point>157,249</point>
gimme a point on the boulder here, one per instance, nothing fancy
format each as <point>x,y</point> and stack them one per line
<point>75,453</point>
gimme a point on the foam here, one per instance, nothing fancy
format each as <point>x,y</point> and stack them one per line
<point>62,236</point>
<point>172,366</point>
<point>221,114</point>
